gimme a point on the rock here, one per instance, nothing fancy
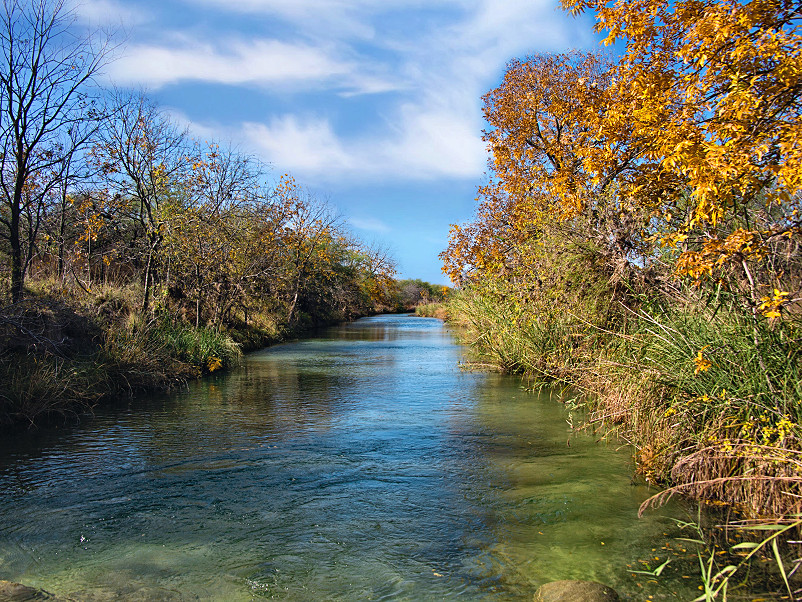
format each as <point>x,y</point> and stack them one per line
<point>16,592</point>
<point>575,591</point>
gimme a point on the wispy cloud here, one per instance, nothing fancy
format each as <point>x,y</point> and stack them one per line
<point>243,62</point>
<point>434,140</point>
<point>369,224</point>
<point>301,147</point>
<point>209,132</point>
<point>421,145</point>
<point>434,130</point>
<point>430,60</point>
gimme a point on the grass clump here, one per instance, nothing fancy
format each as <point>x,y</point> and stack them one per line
<point>432,310</point>
<point>205,349</point>
<point>62,353</point>
<point>36,386</point>
<point>730,428</point>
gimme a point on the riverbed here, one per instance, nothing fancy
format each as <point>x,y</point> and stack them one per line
<point>363,463</point>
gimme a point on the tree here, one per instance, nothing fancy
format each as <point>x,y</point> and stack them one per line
<point>714,88</point>
<point>310,230</point>
<point>47,110</point>
<point>144,161</point>
<point>206,240</point>
<point>558,156</point>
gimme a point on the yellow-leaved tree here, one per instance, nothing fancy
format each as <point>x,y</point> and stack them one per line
<point>714,90</point>
<point>643,217</point>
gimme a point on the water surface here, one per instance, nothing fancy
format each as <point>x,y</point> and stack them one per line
<point>363,464</point>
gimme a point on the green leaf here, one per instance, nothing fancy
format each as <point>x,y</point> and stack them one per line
<point>780,565</point>
<point>747,545</point>
<point>660,568</point>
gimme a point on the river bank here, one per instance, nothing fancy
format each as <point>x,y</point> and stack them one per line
<point>65,350</point>
<point>702,407</point>
<point>708,415</point>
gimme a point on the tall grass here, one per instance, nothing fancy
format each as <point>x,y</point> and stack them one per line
<point>36,385</point>
<point>545,346</point>
<point>56,360</point>
<point>203,348</point>
<point>710,400</point>
<point>730,427</point>
<point>432,310</point>
<point>160,353</point>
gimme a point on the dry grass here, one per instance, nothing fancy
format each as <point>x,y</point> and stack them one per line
<point>764,482</point>
<point>728,432</point>
<point>432,310</point>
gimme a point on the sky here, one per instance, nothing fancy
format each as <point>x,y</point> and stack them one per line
<point>373,105</point>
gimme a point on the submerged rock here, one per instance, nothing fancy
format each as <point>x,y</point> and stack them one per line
<point>16,592</point>
<point>575,591</point>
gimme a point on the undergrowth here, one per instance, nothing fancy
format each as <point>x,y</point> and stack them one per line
<point>709,399</point>
<point>63,351</point>
<point>432,310</point>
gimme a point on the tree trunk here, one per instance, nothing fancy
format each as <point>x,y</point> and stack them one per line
<point>62,226</point>
<point>292,307</point>
<point>16,254</point>
<point>146,300</point>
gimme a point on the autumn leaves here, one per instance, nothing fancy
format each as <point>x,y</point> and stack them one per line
<point>639,236</point>
<point>691,137</point>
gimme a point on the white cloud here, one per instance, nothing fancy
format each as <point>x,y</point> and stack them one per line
<point>434,141</point>
<point>369,224</point>
<point>301,148</point>
<point>426,143</point>
<point>434,131</point>
<point>350,18</point>
<point>259,62</point>
<point>209,132</point>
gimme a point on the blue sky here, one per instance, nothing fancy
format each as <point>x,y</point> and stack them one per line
<point>374,105</point>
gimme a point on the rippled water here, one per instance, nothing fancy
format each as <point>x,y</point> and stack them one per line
<point>360,465</point>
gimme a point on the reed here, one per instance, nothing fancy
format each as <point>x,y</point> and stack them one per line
<point>729,429</point>
<point>36,386</point>
<point>708,399</point>
<point>432,310</point>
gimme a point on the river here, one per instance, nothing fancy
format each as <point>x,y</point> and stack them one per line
<point>360,464</point>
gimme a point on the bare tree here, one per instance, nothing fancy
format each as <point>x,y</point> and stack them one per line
<point>47,111</point>
<point>144,160</point>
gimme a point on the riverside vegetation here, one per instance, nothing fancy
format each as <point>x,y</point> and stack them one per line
<point>638,241</point>
<point>135,257</point>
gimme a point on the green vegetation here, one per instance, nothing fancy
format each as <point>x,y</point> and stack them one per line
<point>411,294</point>
<point>432,310</point>
<point>644,245</point>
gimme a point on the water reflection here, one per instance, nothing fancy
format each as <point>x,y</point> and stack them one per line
<point>361,464</point>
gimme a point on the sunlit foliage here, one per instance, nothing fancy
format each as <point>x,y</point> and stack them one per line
<point>639,237</point>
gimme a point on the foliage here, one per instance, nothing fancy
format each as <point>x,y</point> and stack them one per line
<point>410,293</point>
<point>638,239</point>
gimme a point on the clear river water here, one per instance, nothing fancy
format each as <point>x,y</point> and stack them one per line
<point>361,464</point>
